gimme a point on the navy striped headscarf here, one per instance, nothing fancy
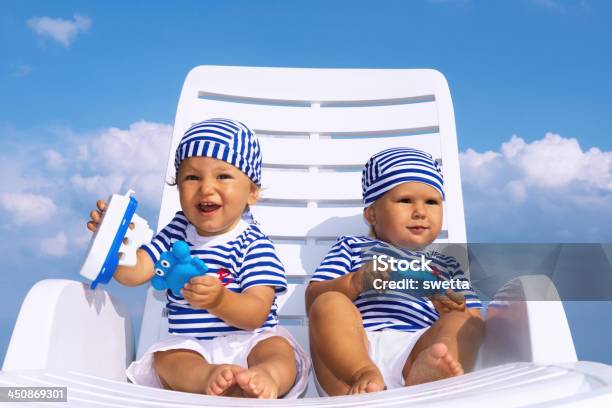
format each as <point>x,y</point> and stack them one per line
<point>223,139</point>
<point>395,166</point>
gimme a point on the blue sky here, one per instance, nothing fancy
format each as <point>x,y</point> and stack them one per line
<point>82,84</point>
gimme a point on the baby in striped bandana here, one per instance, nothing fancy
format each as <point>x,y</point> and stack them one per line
<point>363,340</point>
<point>224,337</point>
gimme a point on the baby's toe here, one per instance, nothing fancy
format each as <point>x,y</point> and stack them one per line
<point>454,366</point>
<point>227,374</point>
<point>221,383</point>
<point>372,387</point>
<point>243,378</point>
<point>269,393</point>
<point>457,369</point>
<point>214,389</point>
<point>356,388</point>
<point>256,385</point>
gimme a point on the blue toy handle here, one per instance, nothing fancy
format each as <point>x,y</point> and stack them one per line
<point>112,258</point>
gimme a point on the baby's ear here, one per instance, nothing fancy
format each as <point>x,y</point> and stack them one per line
<point>253,194</point>
<point>369,214</point>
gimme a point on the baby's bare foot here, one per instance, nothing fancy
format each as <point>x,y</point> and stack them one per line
<point>365,380</point>
<point>257,383</point>
<point>433,363</point>
<point>221,379</point>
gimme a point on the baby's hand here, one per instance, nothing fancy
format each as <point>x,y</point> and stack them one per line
<point>363,278</point>
<point>449,302</point>
<point>203,292</point>
<point>95,216</point>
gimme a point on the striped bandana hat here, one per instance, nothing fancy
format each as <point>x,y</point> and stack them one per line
<point>395,166</point>
<point>223,139</point>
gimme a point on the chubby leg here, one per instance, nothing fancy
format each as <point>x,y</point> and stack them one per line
<point>339,347</point>
<point>185,370</point>
<point>447,349</point>
<point>272,369</point>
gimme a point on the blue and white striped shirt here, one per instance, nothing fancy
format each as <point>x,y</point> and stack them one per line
<point>393,309</point>
<point>245,252</point>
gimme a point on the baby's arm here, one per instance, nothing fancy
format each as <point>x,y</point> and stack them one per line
<point>335,273</point>
<point>138,274</point>
<point>247,310</point>
<point>350,285</point>
<point>126,275</point>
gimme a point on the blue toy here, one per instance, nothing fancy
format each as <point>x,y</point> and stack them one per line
<point>176,267</point>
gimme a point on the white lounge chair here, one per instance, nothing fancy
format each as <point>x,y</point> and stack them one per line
<point>317,127</point>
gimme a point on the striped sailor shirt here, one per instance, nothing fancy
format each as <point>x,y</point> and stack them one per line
<point>393,309</point>
<point>245,252</point>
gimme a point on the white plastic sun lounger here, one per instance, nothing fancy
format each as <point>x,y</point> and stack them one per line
<point>317,127</point>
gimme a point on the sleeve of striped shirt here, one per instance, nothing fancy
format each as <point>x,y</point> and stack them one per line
<point>471,300</point>
<point>336,263</point>
<point>162,242</point>
<point>261,266</point>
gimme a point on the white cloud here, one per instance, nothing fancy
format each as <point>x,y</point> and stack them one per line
<point>549,163</point>
<point>81,239</point>
<point>546,189</point>
<point>55,246</point>
<point>54,160</point>
<point>473,163</point>
<point>91,166</point>
<point>83,153</point>
<point>26,208</point>
<point>540,161</point>
<point>58,29</point>
<point>97,184</point>
<point>117,159</point>
<point>517,191</point>
<point>137,148</point>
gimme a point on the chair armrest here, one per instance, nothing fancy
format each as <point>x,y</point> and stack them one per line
<point>519,328</point>
<point>64,325</point>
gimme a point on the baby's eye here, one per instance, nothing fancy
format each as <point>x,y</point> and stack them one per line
<point>404,200</point>
<point>191,177</point>
<point>432,202</point>
<point>224,176</point>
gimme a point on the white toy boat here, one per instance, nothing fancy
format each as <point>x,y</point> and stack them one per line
<point>115,243</point>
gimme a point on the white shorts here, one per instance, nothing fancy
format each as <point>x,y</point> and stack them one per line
<point>230,349</point>
<point>389,350</point>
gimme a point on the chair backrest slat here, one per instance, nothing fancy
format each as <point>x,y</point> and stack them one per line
<point>344,152</point>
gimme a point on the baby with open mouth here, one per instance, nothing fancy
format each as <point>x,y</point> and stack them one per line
<point>224,338</point>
